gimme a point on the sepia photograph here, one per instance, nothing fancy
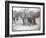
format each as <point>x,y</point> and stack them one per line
<point>25,18</point>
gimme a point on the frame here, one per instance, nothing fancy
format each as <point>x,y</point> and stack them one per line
<point>12,30</point>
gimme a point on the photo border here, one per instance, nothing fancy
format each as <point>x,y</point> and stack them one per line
<point>7,18</point>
